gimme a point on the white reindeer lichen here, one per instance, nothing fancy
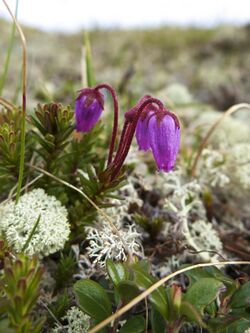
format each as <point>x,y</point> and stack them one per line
<point>17,223</point>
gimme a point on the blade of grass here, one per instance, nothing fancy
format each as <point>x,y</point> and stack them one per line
<point>31,234</point>
<point>24,79</point>
<point>9,51</point>
<point>84,67</point>
<point>156,285</point>
<point>89,65</point>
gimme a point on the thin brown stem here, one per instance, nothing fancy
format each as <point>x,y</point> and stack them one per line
<point>211,130</point>
<point>100,211</point>
<point>12,195</point>
<point>9,106</point>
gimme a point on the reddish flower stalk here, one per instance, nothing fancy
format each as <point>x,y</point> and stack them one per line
<point>115,123</point>
<point>132,117</point>
<point>121,142</point>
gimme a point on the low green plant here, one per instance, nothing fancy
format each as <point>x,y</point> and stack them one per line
<point>211,300</point>
<point>19,293</point>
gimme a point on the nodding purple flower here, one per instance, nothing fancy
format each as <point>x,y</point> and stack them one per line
<point>159,130</point>
<point>164,139</point>
<point>89,106</point>
<point>141,133</point>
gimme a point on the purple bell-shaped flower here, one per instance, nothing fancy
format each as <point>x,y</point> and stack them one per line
<point>88,109</point>
<point>164,139</point>
<point>159,130</point>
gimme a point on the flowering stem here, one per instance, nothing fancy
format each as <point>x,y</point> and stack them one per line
<point>122,138</point>
<point>115,124</point>
<point>119,160</point>
<point>121,155</point>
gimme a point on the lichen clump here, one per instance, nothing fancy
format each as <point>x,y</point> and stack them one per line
<point>77,322</point>
<point>17,223</point>
<point>105,244</point>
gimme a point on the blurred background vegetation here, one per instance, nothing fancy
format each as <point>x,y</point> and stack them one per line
<point>213,64</point>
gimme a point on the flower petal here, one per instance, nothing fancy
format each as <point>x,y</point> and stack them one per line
<point>142,133</point>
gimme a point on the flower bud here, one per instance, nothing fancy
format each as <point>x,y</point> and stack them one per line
<point>89,106</point>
